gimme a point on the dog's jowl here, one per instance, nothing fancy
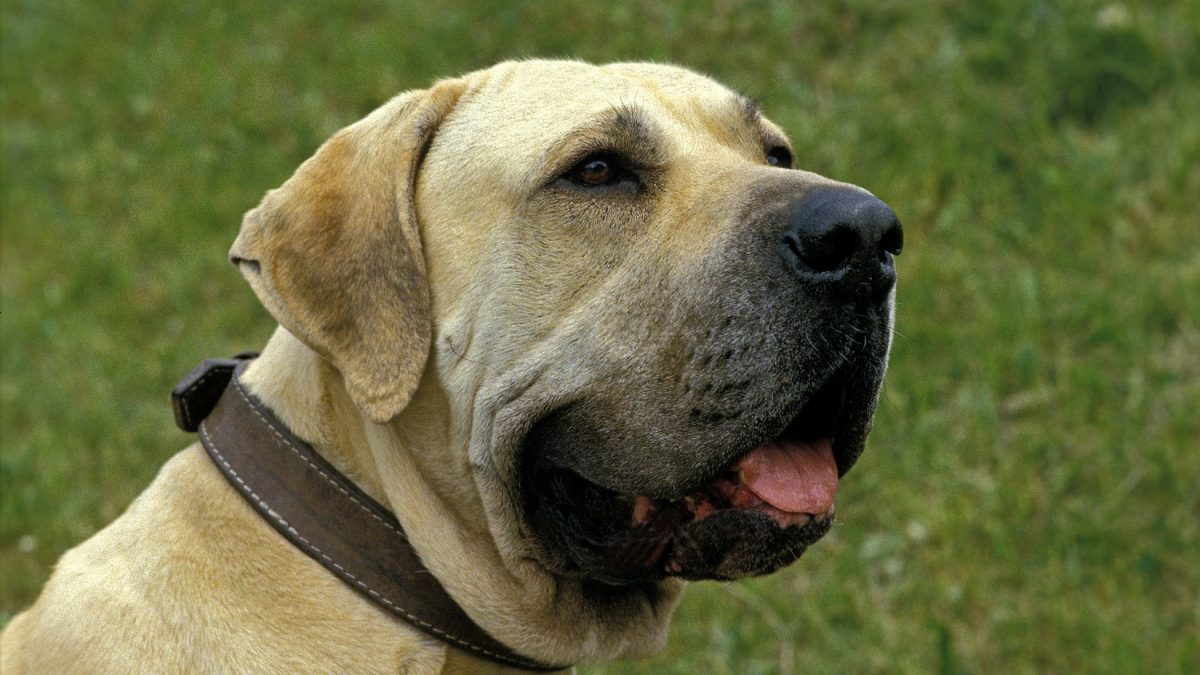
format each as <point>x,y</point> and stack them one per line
<point>588,332</point>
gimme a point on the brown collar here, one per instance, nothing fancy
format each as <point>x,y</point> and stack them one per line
<point>321,511</point>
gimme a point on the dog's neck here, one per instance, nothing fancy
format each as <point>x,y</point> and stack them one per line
<point>306,392</point>
<point>413,467</point>
<point>303,390</point>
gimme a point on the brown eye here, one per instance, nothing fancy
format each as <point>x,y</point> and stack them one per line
<point>603,169</point>
<point>779,156</point>
<point>595,172</point>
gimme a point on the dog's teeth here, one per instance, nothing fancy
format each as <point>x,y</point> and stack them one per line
<point>703,509</point>
<point>643,507</point>
<point>742,497</point>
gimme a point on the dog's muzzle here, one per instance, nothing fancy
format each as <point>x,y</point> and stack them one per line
<point>731,471</point>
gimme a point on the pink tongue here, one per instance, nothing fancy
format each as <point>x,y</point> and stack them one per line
<point>793,477</point>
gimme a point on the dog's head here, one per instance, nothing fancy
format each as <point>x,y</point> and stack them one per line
<point>657,344</point>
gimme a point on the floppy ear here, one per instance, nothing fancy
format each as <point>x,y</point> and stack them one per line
<point>335,254</point>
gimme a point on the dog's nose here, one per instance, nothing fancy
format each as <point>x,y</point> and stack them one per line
<point>846,238</point>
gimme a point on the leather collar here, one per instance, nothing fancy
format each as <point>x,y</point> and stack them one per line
<point>319,510</point>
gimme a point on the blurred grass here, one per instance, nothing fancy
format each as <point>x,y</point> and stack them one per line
<point>1029,502</point>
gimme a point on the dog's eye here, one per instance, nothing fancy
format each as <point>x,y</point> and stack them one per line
<point>596,171</point>
<point>779,156</point>
<point>600,169</point>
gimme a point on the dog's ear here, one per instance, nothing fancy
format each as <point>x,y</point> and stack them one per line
<point>335,253</point>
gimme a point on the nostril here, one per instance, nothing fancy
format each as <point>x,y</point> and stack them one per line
<point>793,245</point>
<point>830,251</point>
<point>892,241</point>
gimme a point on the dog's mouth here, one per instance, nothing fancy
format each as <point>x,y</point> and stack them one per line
<point>757,514</point>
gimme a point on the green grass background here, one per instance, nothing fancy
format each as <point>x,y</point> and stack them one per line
<point>1030,499</point>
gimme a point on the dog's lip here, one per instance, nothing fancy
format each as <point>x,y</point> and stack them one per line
<point>649,533</point>
<point>821,415</point>
<point>735,489</point>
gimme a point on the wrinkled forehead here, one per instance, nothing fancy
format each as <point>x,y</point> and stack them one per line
<point>525,109</point>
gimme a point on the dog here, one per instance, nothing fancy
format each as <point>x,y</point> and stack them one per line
<point>584,329</point>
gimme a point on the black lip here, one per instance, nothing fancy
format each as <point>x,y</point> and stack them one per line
<point>702,549</point>
<point>823,413</point>
<point>592,536</point>
<point>586,528</point>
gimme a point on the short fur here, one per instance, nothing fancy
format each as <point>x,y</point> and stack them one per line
<point>437,295</point>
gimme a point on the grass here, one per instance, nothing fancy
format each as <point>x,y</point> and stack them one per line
<point>1029,500</point>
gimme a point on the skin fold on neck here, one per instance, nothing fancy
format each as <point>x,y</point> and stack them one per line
<point>412,466</point>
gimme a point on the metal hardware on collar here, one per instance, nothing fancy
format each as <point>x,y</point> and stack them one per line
<point>319,510</point>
